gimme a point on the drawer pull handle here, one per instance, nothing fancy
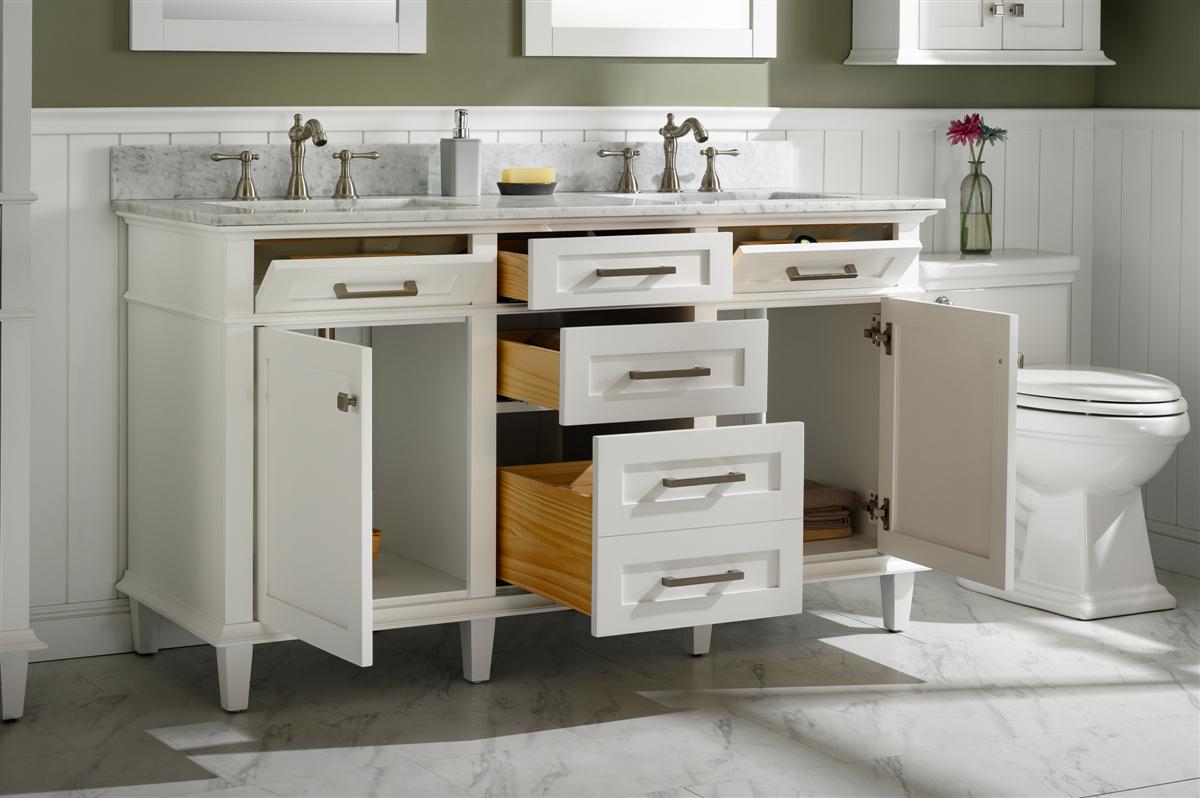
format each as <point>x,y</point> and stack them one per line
<point>667,374</point>
<point>345,401</point>
<point>732,575</point>
<point>342,292</point>
<point>848,272</point>
<point>637,271</point>
<point>715,479</point>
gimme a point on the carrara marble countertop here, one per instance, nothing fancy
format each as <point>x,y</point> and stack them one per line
<point>491,208</point>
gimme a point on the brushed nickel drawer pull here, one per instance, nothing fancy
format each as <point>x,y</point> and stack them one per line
<point>715,479</point>
<point>848,272</point>
<point>637,271</point>
<point>667,374</point>
<point>342,292</point>
<point>732,575</point>
<point>345,401</point>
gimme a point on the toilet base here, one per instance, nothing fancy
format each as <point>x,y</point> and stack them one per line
<point>1083,555</point>
<point>1085,606</point>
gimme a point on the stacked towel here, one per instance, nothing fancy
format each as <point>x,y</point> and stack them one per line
<point>827,511</point>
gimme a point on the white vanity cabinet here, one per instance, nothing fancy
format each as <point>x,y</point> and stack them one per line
<point>275,419</point>
<point>978,32</point>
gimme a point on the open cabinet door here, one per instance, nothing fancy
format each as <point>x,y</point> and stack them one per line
<point>314,491</point>
<point>947,428</point>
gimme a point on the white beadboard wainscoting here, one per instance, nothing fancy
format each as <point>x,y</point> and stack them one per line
<point>1062,175</point>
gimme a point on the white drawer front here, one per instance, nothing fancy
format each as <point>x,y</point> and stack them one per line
<point>323,284</point>
<point>761,268</point>
<point>712,575</point>
<point>686,479</point>
<point>601,271</point>
<point>649,371</point>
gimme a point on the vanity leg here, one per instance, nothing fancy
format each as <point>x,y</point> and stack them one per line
<point>14,670</point>
<point>145,623</point>
<point>698,640</point>
<point>233,673</point>
<point>477,638</point>
<point>897,594</point>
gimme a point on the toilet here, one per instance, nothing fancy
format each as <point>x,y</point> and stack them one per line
<point>1088,439</point>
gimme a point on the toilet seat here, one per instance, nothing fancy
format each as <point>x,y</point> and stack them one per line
<point>1097,391</point>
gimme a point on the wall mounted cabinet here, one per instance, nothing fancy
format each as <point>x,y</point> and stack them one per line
<point>269,26</point>
<point>977,32</point>
<point>651,28</point>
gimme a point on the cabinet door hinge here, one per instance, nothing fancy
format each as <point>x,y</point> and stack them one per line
<point>879,510</point>
<point>880,334</point>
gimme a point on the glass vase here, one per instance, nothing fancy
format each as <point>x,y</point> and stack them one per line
<point>975,232</point>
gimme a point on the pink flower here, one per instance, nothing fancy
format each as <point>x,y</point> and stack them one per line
<point>967,130</point>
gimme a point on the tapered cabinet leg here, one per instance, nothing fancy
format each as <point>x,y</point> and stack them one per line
<point>477,639</point>
<point>697,640</point>
<point>14,670</point>
<point>145,623</point>
<point>897,594</point>
<point>233,673</point>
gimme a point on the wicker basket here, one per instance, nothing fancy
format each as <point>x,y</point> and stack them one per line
<point>376,542</point>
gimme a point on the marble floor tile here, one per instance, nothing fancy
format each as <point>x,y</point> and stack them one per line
<point>1126,755</point>
<point>978,696</point>
<point>1190,788</point>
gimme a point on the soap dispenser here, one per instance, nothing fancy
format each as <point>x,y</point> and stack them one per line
<point>460,160</point>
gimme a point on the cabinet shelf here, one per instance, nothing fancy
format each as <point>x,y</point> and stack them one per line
<point>399,577</point>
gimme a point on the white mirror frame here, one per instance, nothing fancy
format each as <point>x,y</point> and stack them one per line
<point>151,29</point>
<point>543,39</point>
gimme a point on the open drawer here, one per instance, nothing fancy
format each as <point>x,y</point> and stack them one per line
<point>662,530</point>
<point>603,271</point>
<point>760,268</point>
<point>632,372</point>
<point>375,282</point>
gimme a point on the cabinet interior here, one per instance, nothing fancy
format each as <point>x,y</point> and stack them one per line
<point>826,374</point>
<point>419,389</point>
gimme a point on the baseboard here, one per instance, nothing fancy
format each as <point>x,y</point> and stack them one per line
<point>1175,548</point>
<point>93,629</point>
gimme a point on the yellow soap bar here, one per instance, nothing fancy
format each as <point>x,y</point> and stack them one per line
<point>527,175</point>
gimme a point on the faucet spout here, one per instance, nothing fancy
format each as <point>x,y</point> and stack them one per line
<point>671,134</point>
<point>297,135</point>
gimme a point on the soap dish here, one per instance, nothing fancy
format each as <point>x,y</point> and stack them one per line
<point>526,189</point>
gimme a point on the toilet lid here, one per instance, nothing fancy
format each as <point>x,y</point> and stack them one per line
<point>1097,391</point>
<point>1094,384</point>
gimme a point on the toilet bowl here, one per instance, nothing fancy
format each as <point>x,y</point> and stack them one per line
<point>1087,440</point>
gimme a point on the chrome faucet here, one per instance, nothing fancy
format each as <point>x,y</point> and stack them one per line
<point>671,134</point>
<point>297,135</point>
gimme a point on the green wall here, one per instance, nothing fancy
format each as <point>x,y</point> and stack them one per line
<point>82,58</point>
<point>1156,44</point>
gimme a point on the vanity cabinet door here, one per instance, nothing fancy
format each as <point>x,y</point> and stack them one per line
<point>313,491</point>
<point>946,443</point>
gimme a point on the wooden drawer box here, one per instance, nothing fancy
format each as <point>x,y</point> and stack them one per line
<point>604,271</point>
<point>662,530</point>
<point>596,375</point>
<point>759,268</point>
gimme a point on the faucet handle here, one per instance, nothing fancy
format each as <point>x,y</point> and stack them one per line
<point>245,185</point>
<point>628,184</point>
<point>344,188</point>
<point>710,182</point>
<point>345,156</point>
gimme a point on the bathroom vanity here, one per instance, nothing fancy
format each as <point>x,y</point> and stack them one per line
<point>601,402</point>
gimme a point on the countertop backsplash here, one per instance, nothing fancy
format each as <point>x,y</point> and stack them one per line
<point>186,172</point>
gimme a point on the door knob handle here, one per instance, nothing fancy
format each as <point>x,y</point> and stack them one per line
<point>345,401</point>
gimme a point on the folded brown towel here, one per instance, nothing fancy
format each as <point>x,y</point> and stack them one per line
<point>817,495</point>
